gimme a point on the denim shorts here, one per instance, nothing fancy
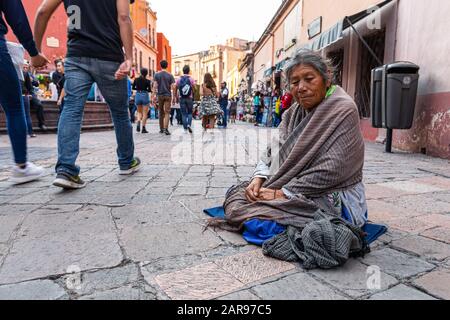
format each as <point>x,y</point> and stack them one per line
<point>142,99</point>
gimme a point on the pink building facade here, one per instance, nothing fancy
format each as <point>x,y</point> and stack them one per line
<point>396,30</point>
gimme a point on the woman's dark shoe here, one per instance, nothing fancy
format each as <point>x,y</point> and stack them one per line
<point>144,130</point>
<point>138,128</point>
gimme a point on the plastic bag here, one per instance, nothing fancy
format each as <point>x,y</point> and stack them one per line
<point>17,53</point>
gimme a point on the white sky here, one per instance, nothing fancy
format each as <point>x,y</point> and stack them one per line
<point>194,25</point>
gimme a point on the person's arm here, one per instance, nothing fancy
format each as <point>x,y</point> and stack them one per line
<point>126,35</point>
<point>176,88</point>
<point>193,88</point>
<point>16,17</point>
<point>173,86</point>
<point>61,98</point>
<point>43,15</point>
<point>155,86</point>
<point>174,93</point>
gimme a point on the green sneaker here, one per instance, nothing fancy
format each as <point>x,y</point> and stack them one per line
<point>135,166</point>
<point>66,181</point>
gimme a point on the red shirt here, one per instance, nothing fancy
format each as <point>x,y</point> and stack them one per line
<point>286,101</point>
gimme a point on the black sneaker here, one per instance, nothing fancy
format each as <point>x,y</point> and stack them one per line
<point>161,131</point>
<point>144,130</point>
<point>167,132</point>
<point>138,127</point>
<point>135,166</point>
<point>190,130</point>
<point>66,181</point>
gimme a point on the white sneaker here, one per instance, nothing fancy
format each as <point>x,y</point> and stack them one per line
<point>30,173</point>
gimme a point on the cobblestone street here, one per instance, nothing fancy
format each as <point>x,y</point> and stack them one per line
<point>143,237</point>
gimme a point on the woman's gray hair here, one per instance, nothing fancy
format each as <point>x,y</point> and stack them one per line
<point>312,59</point>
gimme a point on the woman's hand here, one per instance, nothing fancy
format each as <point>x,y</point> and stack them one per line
<point>253,190</point>
<point>270,194</point>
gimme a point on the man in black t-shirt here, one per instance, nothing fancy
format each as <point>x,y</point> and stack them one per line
<point>59,79</point>
<point>163,86</point>
<point>98,33</point>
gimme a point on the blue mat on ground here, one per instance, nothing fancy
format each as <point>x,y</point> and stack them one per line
<point>374,231</point>
<point>258,231</point>
<point>218,212</point>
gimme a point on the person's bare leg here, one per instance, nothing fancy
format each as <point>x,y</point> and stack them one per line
<point>139,118</point>
<point>205,122</point>
<point>144,116</point>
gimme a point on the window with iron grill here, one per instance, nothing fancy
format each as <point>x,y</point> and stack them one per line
<point>376,41</point>
<point>337,60</point>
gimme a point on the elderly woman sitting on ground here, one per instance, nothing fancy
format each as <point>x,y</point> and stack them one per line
<point>312,174</point>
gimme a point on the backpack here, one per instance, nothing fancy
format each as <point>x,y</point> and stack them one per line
<point>185,87</point>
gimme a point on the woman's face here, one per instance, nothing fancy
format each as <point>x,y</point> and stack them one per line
<point>308,86</point>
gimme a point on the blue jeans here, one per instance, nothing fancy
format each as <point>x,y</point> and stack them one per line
<point>81,73</point>
<point>132,109</point>
<point>12,102</point>
<point>187,107</point>
<point>224,106</point>
<point>26,104</point>
<point>259,114</point>
<point>142,99</point>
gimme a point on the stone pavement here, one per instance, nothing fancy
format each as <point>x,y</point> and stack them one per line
<point>143,237</point>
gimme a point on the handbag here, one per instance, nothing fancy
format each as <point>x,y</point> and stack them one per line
<point>17,53</point>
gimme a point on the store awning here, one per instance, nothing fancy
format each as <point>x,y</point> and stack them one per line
<point>268,72</point>
<point>279,66</point>
<point>335,33</point>
<point>326,38</point>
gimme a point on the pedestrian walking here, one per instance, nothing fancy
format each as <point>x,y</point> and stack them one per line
<point>143,88</point>
<point>94,55</point>
<point>276,108</point>
<point>209,108</point>
<point>223,101</point>
<point>163,87</point>
<point>185,93</point>
<point>241,109</point>
<point>27,89</point>
<point>10,91</point>
<point>233,109</point>
<point>175,113</point>
<point>131,101</point>
<point>257,103</point>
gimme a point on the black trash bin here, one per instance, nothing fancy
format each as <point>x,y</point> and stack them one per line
<point>376,94</point>
<point>402,81</point>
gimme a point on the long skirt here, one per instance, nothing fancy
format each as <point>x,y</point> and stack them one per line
<point>209,106</point>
